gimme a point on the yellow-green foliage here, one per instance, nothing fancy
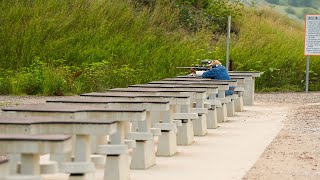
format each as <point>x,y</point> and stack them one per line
<point>100,44</point>
<point>55,47</point>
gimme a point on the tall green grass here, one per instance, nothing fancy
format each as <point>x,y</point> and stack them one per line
<point>56,47</point>
<point>107,43</point>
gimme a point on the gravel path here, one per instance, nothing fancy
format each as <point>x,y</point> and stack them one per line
<point>293,154</point>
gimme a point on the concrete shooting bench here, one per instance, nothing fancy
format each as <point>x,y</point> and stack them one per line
<point>185,134</point>
<point>207,114</point>
<point>227,104</point>
<point>142,132</point>
<point>239,90</point>
<point>167,142</point>
<point>10,125</point>
<point>117,163</point>
<point>214,82</point>
<point>249,86</point>
<point>233,98</point>
<point>30,147</point>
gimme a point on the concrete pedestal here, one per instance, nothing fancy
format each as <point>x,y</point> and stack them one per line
<point>167,143</point>
<point>230,108</point>
<point>200,125</point>
<point>222,113</point>
<point>117,162</point>
<point>185,135</point>
<point>238,104</point>
<point>4,169</point>
<point>212,120</point>
<point>143,156</point>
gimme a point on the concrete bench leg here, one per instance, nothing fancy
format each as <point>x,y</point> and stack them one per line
<point>185,134</point>
<point>167,143</point>
<point>30,164</point>
<point>248,95</point>
<point>118,137</point>
<point>96,141</point>
<point>212,121</point>
<point>143,156</point>
<point>4,169</point>
<point>86,176</point>
<point>222,113</point>
<point>117,162</point>
<point>78,170</point>
<point>200,125</point>
<point>82,159</point>
<point>13,163</point>
<point>239,104</point>
<point>117,167</point>
<point>230,108</point>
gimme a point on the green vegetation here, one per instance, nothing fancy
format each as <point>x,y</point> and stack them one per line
<point>274,45</point>
<point>58,47</point>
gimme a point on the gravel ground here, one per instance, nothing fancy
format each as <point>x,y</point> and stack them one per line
<point>293,154</point>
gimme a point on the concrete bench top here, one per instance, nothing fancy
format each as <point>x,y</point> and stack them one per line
<point>229,82</point>
<point>186,85</point>
<point>190,78</point>
<point>130,95</point>
<point>154,90</point>
<point>37,137</point>
<point>174,99</point>
<point>253,73</point>
<point>240,76</point>
<point>180,86</point>
<point>210,89</point>
<point>149,105</point>
<point>64,108</point>
<point>90,100</point>
<point>77,113</point>
<point>194,93</point>
<point>185,81</point>
<point>220,86</point>
<point>10,120</point>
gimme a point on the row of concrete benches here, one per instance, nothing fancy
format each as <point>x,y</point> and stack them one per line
<point>100,129</point>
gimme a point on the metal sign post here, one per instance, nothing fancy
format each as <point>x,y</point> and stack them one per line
<point>312,41</point>
<point>228,42</point>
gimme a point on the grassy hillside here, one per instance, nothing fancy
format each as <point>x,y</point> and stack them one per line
<point>56,47</point>
<point>274,45</point>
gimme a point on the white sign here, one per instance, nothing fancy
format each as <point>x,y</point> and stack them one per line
<point>312,35</point>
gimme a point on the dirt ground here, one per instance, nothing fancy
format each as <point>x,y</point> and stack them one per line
<point>294,154</point>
